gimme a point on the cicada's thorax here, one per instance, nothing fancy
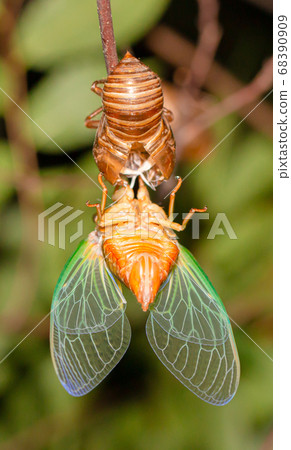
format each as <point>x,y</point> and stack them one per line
<point>134,136</point>
<point>138,249</point>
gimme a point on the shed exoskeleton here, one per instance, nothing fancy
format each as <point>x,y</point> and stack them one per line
<point>134,137</point>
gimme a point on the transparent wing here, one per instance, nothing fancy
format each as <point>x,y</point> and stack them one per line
<point>89,330</point>
<point>190,332</point>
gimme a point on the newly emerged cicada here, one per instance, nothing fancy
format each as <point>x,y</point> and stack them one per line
<point>188,327</point>
<point>134,137</point>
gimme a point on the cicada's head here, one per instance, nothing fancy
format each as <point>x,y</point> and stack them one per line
<point>142,193</point>
<point>123,193</point>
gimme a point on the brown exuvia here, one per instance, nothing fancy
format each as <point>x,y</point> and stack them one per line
<point>133,136</point>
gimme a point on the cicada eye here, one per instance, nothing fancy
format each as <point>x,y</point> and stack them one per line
<point>125,192</point>
<point>142,193</point>
<point>118,193</point>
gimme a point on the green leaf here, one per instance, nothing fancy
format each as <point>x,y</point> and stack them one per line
<point>239,171</point>
<point>51,30</point>
<point>60,103</point>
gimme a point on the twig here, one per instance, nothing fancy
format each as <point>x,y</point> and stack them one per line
<point>209,37</point>
<point>107,34</point>
<point>247,95</point>
<point>178,51</point>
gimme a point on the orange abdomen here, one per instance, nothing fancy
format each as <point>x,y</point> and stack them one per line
<point>142,264</point>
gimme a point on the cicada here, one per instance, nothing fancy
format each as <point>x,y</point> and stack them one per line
<point>135,244</point>
<point>134,137</point>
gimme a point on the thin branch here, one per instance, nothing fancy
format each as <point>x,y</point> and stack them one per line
<point>107,34</point>
<point>209,37</point>
<point>179,52</point>
<point>246,96</point>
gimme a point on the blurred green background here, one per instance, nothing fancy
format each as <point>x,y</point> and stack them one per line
<point>50,54</point>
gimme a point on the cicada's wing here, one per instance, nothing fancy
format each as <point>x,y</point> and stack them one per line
<point>190,332</point>
<point>89,330</point>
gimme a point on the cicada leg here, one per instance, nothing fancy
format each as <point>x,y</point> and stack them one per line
<point>100,206</point>
<point>89,123</point>
<point>188,217</point>
<point>104,192</point>
<point>95,88</point>
<point>168,114</point>
<point>172,198</point>
<point>177,226</point>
